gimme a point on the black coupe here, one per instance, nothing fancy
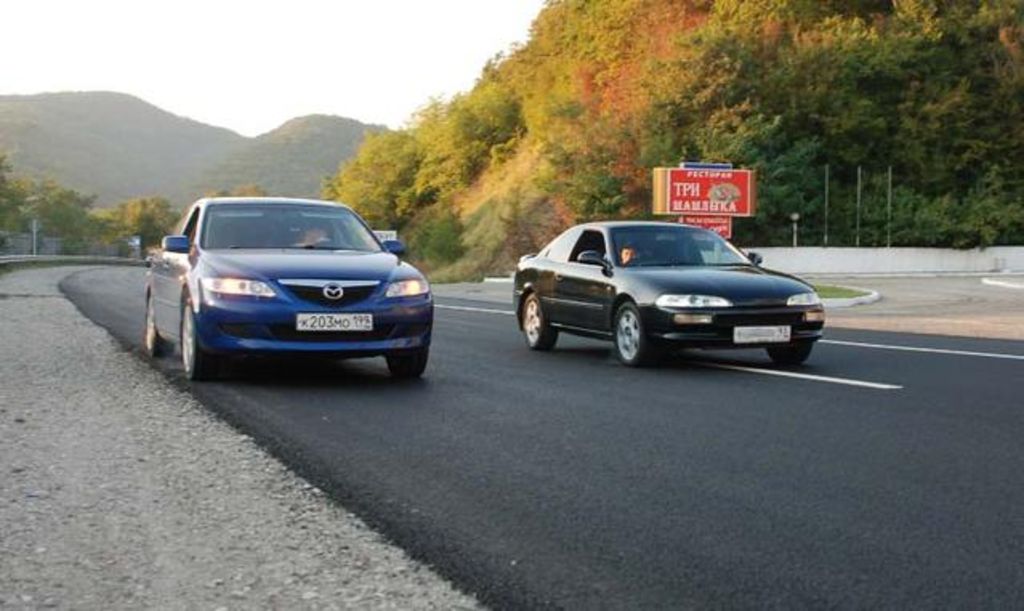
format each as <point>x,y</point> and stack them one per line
<point>650,287</point>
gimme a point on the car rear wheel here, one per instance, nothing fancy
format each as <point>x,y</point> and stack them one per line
<point>793,354</point>
<point>154,345</point>
<point>632,345</point>
<point>408,365</point>
<point>538,333</point>
<point>198,364</point>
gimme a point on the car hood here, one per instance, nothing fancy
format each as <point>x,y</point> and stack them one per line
<point>743,285</point>
<point>320,264</point>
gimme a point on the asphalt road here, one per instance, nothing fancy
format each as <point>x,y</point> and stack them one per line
<point>887,478</point>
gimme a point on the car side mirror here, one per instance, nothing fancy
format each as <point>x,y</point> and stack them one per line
<point>175,243</point>
<point>592,257</point>
<point>755,258</point>
<point>395,247</point>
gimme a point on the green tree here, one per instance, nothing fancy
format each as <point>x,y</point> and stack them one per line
<point>380,181</point>
<point>11,199</point>
<point>150,218</point>
<point>61,212</point>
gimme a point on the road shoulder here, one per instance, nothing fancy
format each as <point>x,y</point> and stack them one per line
<point>120,491</point>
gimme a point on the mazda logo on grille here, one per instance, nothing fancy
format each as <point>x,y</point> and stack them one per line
<point>333,291</point>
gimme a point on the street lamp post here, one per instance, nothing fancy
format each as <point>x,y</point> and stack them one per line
<point>34,226</point>
<point>795,217</point>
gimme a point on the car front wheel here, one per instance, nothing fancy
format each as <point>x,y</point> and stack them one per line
<point>198,364</point>
<point>793,354</point>
<point>408,365</point>
<point>632,345</point>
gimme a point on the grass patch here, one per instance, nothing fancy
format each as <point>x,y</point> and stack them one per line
<point>826,291</point>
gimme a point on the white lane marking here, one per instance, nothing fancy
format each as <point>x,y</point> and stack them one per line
<point>1003,283</point>
<point>800,376</point>
<point>990,355</point>
<point>471,309</point>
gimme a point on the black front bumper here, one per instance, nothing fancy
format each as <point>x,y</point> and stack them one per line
<point>719,334</point>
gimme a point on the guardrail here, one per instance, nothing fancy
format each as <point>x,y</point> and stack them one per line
<point>31,260</point>
<point>897,260</point>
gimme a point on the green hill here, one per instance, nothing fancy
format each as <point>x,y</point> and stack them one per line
<point>568,126</point>
<point>117,146</point>
<point>291,160</point>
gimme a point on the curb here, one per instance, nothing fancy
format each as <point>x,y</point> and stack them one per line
<point>14,263</point>
<point>931,274</point>
<point>1003,283</point>
<point>849,302</point>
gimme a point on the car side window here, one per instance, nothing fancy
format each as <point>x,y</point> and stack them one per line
<point>190,225</point>
<point>589,240</point>
<point>562,245</point>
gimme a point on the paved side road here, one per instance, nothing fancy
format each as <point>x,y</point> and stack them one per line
<point>118,490</point>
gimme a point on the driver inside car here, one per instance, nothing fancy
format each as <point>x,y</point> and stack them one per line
<point>627,254</point>
<point>312,237</point>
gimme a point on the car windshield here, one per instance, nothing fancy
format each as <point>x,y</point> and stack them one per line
<point>665,245</point>
<point>286,226</point>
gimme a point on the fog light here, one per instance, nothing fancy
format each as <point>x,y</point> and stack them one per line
<point>692,319</point>
<point>814,316</point>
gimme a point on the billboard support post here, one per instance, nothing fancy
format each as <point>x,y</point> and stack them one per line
<point>858,207</point>
<point>888,213</point>
<point>826,206</point>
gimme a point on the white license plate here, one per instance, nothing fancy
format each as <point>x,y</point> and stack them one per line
<point>334,322</point>
<point>760,335</point>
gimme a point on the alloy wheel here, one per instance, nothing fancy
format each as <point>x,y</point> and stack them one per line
<point>628,335</point>
<point>187,340</point>
<point>151,334</point>
<point>531,321</point>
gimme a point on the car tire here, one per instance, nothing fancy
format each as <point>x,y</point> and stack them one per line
<point>199,365</point>
<point>633,346</point>
<point>539,334</point>
<point>152,343</point>
<point>408,365</point>
<point>792,354</point>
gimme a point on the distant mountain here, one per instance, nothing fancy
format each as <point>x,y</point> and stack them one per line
<point>117,146</point>
<point>290,160</point>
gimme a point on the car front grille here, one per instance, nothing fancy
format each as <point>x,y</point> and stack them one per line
<point>738,319</point>
<point>315,294</point>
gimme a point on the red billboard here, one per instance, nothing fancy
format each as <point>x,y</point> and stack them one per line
<point>704,191</point>
<point>722,225</point>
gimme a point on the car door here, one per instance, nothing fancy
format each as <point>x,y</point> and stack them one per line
<point>169,271</point>
<point>548,268</point>
<point>585,291</point>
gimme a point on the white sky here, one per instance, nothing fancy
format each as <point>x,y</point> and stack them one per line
<point>250,66</point>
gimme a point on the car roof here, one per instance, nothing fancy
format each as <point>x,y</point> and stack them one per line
<point>269,200</point>
<point>615,224</point>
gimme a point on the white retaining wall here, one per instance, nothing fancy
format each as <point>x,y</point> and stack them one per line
<point>817,260</point>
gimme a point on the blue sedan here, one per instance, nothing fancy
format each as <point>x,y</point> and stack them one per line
<point>251,276</point>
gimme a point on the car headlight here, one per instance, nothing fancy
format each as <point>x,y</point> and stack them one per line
<point>237,286</point>
<point>804,299</point>
<point>408,288</point>
<point>692,301</point>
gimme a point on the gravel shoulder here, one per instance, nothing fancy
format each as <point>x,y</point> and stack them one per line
<point>118,490</point>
